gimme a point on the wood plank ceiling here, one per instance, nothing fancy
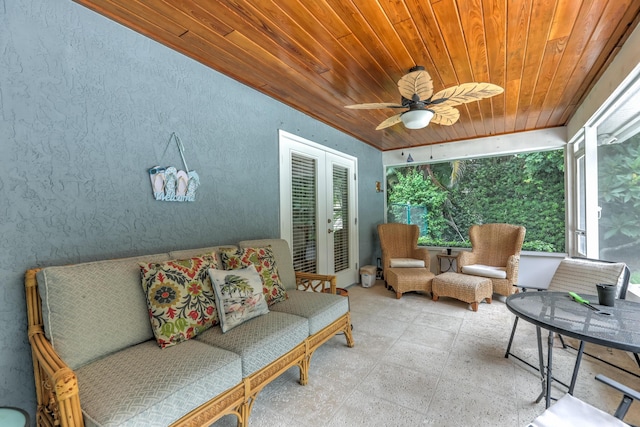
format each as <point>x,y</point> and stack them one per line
<point>319,55</point>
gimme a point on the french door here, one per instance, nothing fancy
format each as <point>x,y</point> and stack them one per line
<point>318,208</point>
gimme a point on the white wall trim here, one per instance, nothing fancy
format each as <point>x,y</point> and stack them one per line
<point>521,142</point>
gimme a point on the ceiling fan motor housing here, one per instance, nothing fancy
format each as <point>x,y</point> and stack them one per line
<point>416,118</point>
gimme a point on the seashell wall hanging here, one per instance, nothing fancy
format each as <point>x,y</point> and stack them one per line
<point>172,185</point>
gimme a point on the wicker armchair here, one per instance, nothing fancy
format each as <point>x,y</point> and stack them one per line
<point>399,242</point>
<point>495,253</point>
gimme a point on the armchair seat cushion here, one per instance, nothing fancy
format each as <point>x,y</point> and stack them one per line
<point>406,263</point>
<point>485,271</point>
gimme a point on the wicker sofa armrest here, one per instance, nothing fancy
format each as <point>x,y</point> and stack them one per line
<point>56,384</point>
<point>315,282</point>
<point>57,392</point>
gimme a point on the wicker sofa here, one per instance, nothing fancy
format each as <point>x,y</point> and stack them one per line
<point>96,361</point>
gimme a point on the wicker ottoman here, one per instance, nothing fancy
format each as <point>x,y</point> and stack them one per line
<point>409,279</point>
<point>470,289</point>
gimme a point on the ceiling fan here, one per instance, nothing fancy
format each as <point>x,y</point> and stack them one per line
<point>423,107</point>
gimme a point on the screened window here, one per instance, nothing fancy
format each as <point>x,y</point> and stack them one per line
<point>445,199</point>
<point>619,187</point>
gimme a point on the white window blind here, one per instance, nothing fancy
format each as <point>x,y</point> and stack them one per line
<point>341,218</point>
<point>304,215</point>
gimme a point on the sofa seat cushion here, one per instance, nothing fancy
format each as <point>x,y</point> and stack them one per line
<point>321,309</point>
<point>260,340</point>
<point>93,309</point>
<point>485,271</point>
<point>145,385</point>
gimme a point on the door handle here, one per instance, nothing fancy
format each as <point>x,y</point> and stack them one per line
<point>330,230</point>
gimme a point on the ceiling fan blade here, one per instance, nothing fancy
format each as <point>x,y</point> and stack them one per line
<point>466,92</point>
<point>373,105</point>
<point>393,120</point>
<point>416,85</point>
<point>444,115</point>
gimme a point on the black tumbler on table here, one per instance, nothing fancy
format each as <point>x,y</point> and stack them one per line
<point>606,294</point>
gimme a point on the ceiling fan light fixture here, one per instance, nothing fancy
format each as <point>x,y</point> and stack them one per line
<point>416,119</point>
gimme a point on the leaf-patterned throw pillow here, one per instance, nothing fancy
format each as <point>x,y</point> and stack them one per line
<point>180,298</point>
<point>265,264</point>
<point>239,296</point>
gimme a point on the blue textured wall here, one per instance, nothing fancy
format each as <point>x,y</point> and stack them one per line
<point>86,107</point>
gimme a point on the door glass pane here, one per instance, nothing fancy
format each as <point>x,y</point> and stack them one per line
<point>341,218</point>
<point>303,211</point>
<point>581,207</point>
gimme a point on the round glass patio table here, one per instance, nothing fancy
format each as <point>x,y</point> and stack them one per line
<point>559,313</point>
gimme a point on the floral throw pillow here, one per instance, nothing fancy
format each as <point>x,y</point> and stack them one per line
<point>239,296</point>
<point>180,298</point>
<point>264,262</point>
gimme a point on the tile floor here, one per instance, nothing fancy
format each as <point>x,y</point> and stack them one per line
<point>419,362</point>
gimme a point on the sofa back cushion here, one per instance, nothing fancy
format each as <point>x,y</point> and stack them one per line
<point>94,309</point>
<point>282,254</point>
<point>266,265</point>
<point>239,296</point>
<point>179,297</point>
<point>190,253</point>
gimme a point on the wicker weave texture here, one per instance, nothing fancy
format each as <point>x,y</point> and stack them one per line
<point>497,245</point>
<point>401,241</point>
<point>462,287</point>
<point>409,279</point>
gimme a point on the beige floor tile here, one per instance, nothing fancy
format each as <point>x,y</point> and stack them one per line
<point>416,356</point>
<point>463,403</point>
<point>430,337</point>
<point>419,362</point>
<point>363,409</point>
<point>400,385</point>
<point>438,321</point>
